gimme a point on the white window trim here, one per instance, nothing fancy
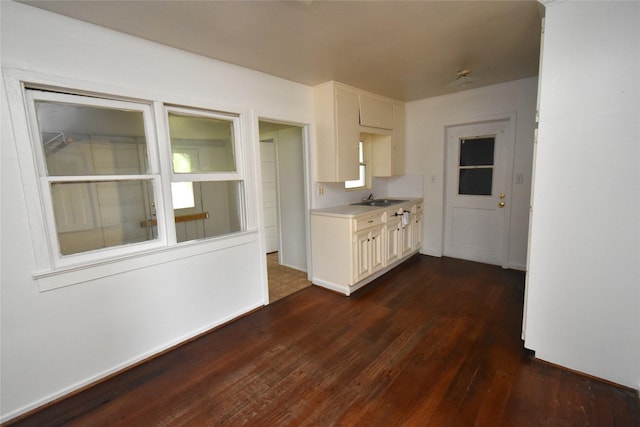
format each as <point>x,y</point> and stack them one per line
<point>207,176</point>
<point>88,257</point>
<point>63,277</point>
<point>366,154</point>
<point>237,176</point>
<point>47,275</point>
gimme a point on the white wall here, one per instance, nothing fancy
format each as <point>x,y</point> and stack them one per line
<point>56,341</point>
<point>583,307</point>
<point>397,186</point>
<point>426,122</point>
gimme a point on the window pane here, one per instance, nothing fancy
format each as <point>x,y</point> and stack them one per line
<point>476,152</point>
<point>217,211</point>
<point>360,182</point>
<point>182,194</point>
<point>362,171</point>
<point>476,181</point>
<point>204,144</point>
<point>95,215</point>
<point>81,140</point>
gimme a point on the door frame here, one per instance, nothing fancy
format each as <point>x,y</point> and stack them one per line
<point>510,135</point>
<point>308,190</point>
<point>272,138</point>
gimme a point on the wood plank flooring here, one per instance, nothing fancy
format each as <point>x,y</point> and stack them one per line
<point>435,342</point>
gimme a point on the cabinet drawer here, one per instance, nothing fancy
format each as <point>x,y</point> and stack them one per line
<point>368,221</point>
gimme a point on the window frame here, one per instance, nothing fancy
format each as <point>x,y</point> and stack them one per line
<point>48,276</point>
<point>225,176</point>
<point>366,155</point>
<point>45,180</point>
<point>482,166</point>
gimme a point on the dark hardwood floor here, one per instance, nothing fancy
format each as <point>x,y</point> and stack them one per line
<point>433,342</point>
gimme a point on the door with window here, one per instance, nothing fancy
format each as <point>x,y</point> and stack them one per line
<point>476,219</point>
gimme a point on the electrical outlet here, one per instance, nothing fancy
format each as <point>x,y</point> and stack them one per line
<point>320,190</point>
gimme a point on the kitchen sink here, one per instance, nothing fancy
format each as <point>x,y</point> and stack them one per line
<point>379,202</point>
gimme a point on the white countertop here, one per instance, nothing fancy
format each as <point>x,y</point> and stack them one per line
<point>352,211</point>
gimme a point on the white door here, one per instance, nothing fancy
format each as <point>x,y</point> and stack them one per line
<point>478,159</point>
<point>291,198</point>
<point>270,195</point>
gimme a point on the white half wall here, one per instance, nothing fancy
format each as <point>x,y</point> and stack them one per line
<point>583,309</point>
<point>426,122</point>
<point>57,341</point>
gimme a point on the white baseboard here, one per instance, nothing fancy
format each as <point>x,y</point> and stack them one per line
<point>121,367</point>
<point>348,290</point>
<point>519,267</point>
<point>431,252</point>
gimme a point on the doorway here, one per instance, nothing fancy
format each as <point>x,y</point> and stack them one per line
<point>479,160</point>
<point>282,156</point>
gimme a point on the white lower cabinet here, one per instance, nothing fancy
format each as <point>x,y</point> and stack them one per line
<point>416,220</point>
<point>394,241</point>
<point>369,250</point>
<point>407,238</point>
<point>417,231</point>
<point>350,250</point>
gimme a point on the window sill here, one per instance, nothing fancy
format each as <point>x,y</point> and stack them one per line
<point>67,276</point>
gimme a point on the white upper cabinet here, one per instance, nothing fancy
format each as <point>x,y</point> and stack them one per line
<point>388,147</point>
<point>344,116</point>
<point>398,148</point>
<point>337,133</point>
<point>376,112</point>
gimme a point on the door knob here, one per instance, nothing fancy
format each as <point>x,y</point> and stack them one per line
<point>501,205</point>
<point>501,195</point>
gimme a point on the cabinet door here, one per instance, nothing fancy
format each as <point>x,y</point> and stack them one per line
<point>407,238</point>
<point>362,257</point>
<point>347,135</point>
<point>376,112</point>
<point>382,155</point>
<point>398,139</point>
<point>337,132</point>
<point>417,232</point>
<point>394,241</point>
<point>389,148</point>
<point>377,249</point>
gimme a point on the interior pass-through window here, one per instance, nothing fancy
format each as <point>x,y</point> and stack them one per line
<point>206,185</point>
<point>95,171</point>
<point>101,180</point>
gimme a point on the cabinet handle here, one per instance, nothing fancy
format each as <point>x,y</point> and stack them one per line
<point>370,221</point>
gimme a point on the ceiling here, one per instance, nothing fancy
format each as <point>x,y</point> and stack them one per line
<point>405,50</point>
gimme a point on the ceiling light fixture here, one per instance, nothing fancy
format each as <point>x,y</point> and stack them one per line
<point>462,78</point>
